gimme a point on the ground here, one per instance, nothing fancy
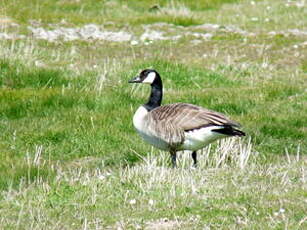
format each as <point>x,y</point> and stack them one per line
<point>70,157</point>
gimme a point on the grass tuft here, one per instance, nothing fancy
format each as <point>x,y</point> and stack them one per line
<point>16,76</point>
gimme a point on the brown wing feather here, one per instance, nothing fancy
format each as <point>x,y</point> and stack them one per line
<point>188,117</point>
<point>169,122</point>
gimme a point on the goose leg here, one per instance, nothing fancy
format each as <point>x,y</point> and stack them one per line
<point>194,157</point>
<point>174,156</point>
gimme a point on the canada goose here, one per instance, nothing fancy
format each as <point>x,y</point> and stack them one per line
<point>178,126</point>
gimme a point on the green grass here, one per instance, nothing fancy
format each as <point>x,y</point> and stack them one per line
<point>16,76</point>
<point>71,159</point>
<point>145,193</point>
<point>43,107</point>
<point>103,11</point>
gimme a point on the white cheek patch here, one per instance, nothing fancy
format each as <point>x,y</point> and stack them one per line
<point>150,78</point>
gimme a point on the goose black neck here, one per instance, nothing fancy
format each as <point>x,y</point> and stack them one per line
<point>156,94</point>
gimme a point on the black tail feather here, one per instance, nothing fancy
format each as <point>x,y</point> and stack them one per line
<point>229,131</point>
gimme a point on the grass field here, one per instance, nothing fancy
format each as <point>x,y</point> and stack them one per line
<point>70,157</point>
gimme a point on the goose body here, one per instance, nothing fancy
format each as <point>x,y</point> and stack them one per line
<point>178,126</point>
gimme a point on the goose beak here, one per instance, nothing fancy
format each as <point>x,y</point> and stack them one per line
<point>137,79</point>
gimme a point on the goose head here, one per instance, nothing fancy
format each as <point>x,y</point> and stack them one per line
<point>147,76</point>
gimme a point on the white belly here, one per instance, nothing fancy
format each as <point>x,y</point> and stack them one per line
<point>156,142</point>
<point>139,122</point>
<point>199,138</point>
